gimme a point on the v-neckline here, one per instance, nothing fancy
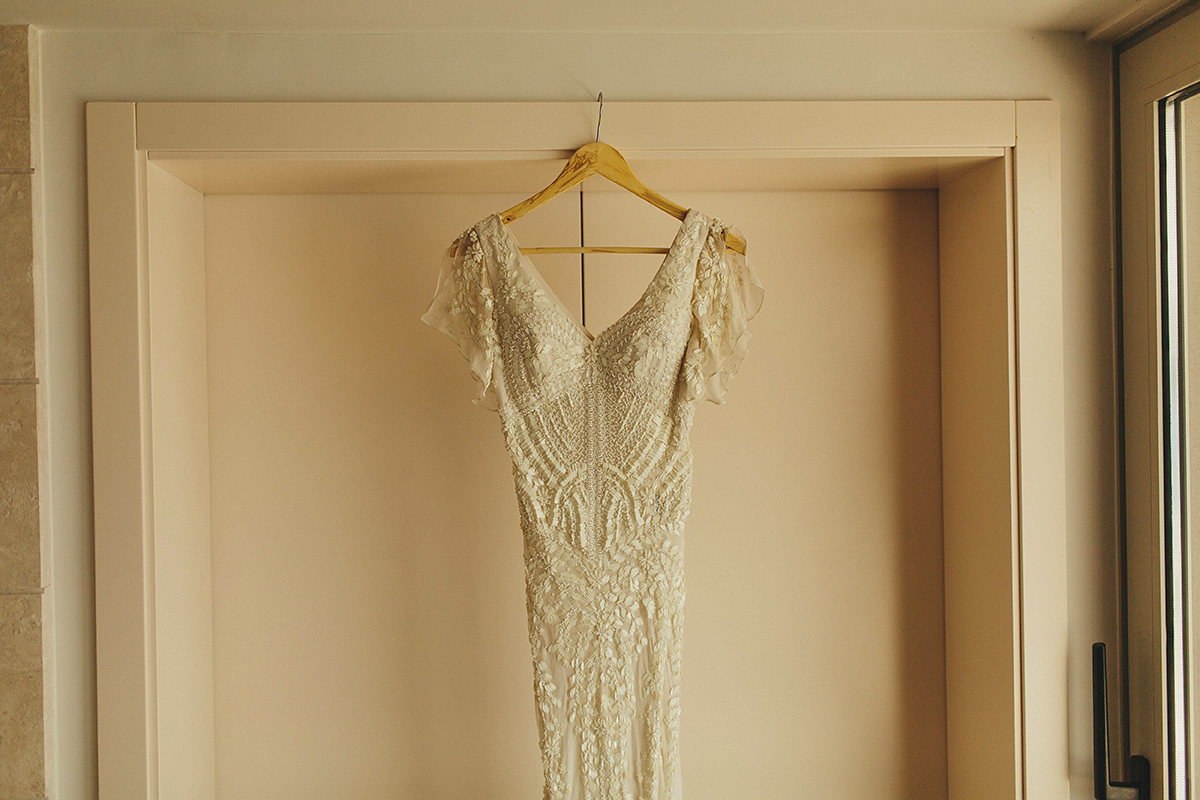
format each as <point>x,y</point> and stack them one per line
<point>672,254</point>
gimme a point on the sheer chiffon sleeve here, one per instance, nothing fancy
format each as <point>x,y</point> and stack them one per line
<point>728,294</point>
<point>462,308</point>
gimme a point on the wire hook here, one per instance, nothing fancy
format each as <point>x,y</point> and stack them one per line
<point>600,114</point>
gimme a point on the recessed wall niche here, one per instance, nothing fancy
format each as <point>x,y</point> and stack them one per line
<point>332,602</point>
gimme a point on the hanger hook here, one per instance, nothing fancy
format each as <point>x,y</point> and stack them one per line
<point>600,114</point>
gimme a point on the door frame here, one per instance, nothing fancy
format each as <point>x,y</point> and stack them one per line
<point>1003,418</point>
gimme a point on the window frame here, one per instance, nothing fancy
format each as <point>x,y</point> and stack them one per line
<point>1148,68</point>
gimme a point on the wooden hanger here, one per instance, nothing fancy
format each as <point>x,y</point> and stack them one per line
<point>600,158</point>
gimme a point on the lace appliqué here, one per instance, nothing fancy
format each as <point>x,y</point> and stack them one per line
<point>646,355</point>
<point>597,429</point>
<point>464,309</point>
<point>728,295</point>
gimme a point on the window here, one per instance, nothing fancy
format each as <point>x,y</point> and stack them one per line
<point>1159,148</point>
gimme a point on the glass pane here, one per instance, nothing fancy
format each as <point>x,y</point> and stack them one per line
<point>1187,254</point>
<point>1179,202</point>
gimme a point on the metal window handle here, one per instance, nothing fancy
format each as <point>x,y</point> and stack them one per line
<point>1138,785</point>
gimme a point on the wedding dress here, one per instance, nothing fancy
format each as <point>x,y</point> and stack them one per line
<point>597,428</point>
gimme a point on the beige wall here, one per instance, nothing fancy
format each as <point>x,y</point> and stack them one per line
<point>368,603</point>
<point>81,66</point>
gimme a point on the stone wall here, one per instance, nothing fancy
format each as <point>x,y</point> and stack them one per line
<point>23,580</point>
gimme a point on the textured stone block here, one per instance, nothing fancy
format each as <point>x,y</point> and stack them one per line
<point>22,749</point>
<point>15,152</point>
<point>16,276</point>
<point>20,531</point>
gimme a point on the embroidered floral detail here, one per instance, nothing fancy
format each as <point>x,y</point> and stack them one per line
<point>597,430</point>
<point>552,356</point>
<point>464,309</point>
<point>727,296</point>
<point>646,354</point>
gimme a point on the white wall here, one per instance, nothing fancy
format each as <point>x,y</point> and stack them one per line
<point>79,66</point>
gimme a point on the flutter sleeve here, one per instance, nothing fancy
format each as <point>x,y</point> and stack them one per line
<point>727,295</point>
<point>462,308</point>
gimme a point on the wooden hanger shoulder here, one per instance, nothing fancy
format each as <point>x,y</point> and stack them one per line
<point>603,159</point>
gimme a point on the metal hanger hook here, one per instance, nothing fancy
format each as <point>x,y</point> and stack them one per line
<point>600,114</point>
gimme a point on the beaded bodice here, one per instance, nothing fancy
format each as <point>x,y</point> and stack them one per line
<point>597,428</point>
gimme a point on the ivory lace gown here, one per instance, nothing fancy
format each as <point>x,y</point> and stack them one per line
<point>597,427</point>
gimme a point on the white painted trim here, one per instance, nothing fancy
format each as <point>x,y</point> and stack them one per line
<point>121,134</point>
<point>1041,447</point>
